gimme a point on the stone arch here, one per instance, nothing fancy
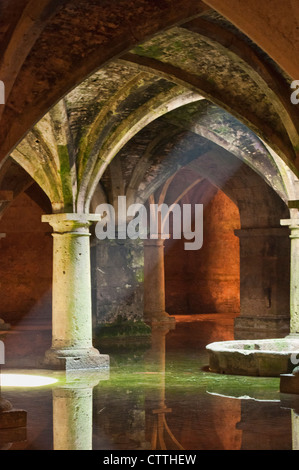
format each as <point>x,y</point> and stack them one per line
<point>44,82</point>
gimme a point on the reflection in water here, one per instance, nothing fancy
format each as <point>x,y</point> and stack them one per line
<point>291,402</point>
<point>72,419</point>
<point>295,430</point>
<point>12,422</point>
<point>158,398</point>
<point>72,411</point>
<point>156,422</point>
<point>25,380</point>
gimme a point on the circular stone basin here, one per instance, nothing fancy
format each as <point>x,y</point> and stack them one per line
<point>265,357</point>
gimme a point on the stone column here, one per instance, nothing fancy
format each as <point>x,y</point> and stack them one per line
<point>154,282</point>
<point>3,326</point>
<point>71,310</point>
<point>293,225</point>
<point>264,283</point>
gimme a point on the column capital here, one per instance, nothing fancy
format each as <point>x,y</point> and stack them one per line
<point>68,222</point>
<point>292,223</point>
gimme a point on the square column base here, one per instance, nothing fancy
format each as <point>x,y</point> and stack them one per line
<point>159,317</point>
<point>12,427</point>
<point>12,419</point>
<point>289,383</point>
<point>4,326</point>
<point>83,362</point>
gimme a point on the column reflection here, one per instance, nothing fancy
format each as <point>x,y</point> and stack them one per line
<point>157,429</point>
<point>73,410</point>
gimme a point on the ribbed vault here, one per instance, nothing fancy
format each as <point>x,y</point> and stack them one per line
<point>205,56</point>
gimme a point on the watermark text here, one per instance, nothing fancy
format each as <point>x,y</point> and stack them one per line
<point>2,92</point>
<point>135,222</point>
<point>2,353</point>
<point>295,94</point>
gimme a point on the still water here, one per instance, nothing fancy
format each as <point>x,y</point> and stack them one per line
<point>158,395</point>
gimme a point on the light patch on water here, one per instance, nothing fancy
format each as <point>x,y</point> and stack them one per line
<point>24,380</point>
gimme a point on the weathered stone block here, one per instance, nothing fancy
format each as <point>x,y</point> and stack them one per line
<point>79,363</point>
<point>13,419</point>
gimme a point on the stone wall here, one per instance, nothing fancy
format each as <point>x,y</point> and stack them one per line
<point>206,280</point>
<point>265,281</point>
<point>26,264</point>
<point>117,280</point>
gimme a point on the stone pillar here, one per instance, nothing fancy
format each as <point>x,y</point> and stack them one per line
<point>3,326</point>
<point>264,283</point>
<point>154,282</point>
<point>71,310</point>
<point>293,225</point>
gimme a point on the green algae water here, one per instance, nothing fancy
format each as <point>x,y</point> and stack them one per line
<point>157,395</point>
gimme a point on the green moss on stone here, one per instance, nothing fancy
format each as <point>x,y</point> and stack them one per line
<point>154,51</point>
<point>122,328</point>
<point>65,175</point>
<point>139,273</point>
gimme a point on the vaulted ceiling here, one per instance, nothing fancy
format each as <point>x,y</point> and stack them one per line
<point>117,96</point>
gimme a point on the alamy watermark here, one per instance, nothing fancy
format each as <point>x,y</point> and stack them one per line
<point>135,221</point>
<point>295,94</point>
<point>295,358</point>
<point>2,353</point>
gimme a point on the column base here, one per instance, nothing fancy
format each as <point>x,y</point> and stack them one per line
<point>75,359</point>
<point>159,317</point>
<point>4,326</point>
<point>12,427</point>
<point>289,383</point>
<point>5,405</point>
<point>293,336</point>
<point>13,419</point>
